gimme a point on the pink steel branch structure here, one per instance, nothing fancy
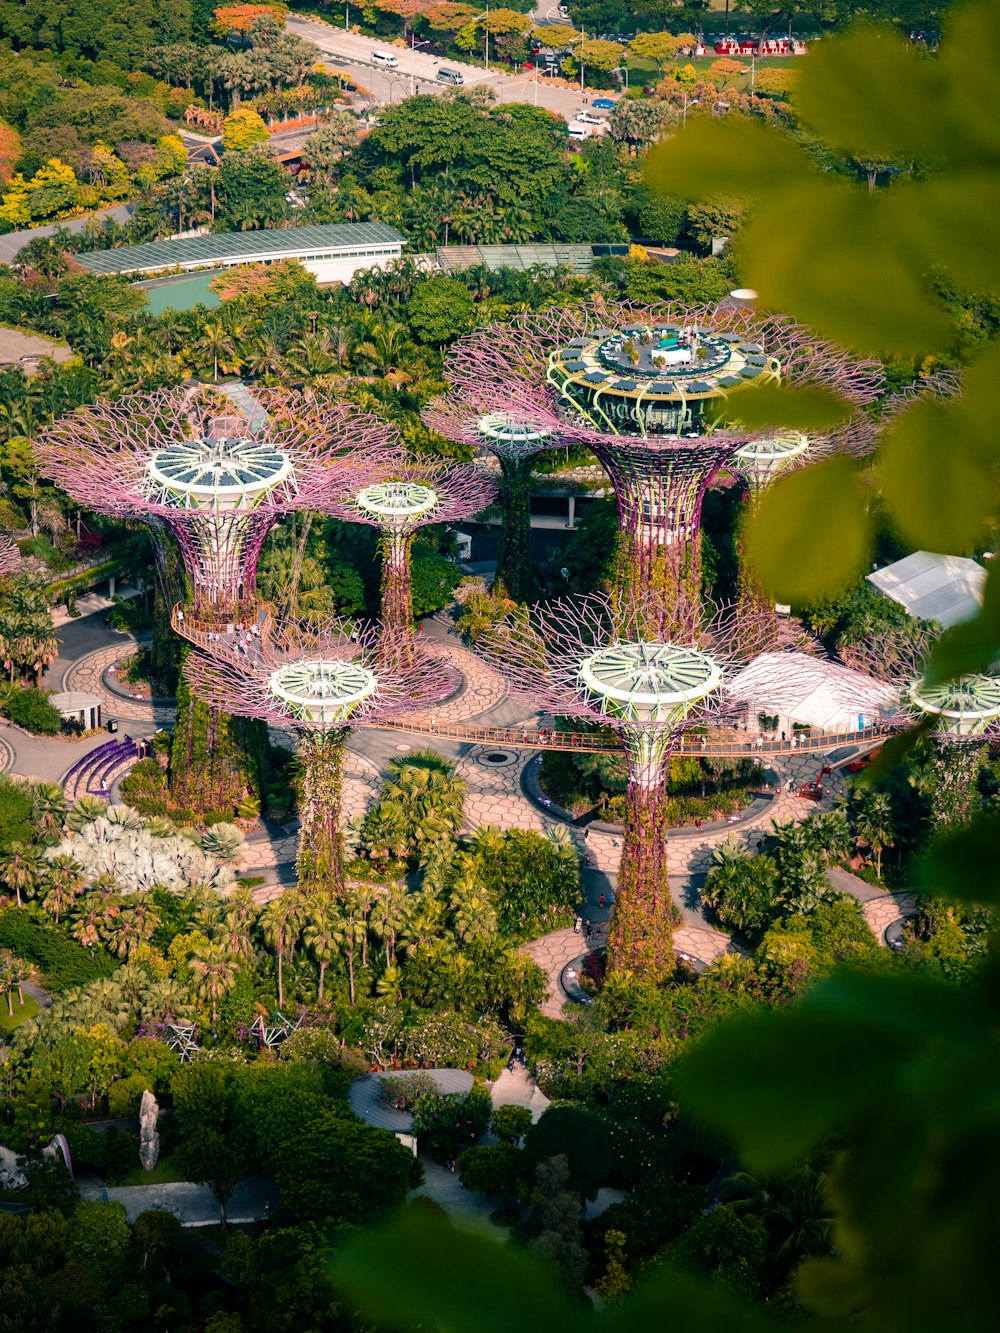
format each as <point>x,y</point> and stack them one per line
<point>892,685</point>
<point>634,385</point>
<point>319,684</point>
<point>591,659</point>
<point>10,556</point>
<point>398,499</point>
<point>217,471</point>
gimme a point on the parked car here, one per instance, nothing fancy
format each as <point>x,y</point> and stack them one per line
<point>603,104</point>
<point>588,118</point>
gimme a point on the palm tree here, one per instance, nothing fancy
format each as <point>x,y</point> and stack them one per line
<point>873,825</point>
<point>218,345</point>
<point>87,920</point>
<point>355,931</point>
<point>22,869</point>
<point>12,972</point>
<point>64,882</point>
<point>278,926</point>
<point>388,910</point>
<point>428,793</point>
<point>48,808</point>
<point>213,974</point>
<point>322,934</point>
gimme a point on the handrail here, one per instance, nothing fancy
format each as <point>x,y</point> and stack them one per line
<point>211,636</point>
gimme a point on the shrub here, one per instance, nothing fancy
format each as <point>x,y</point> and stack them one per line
<point>30,708</point>
<point>145,788</point>
<point>448,1123</point>
<point>511,1123</point>
<point>401,1094</point>
<point>63,962</point>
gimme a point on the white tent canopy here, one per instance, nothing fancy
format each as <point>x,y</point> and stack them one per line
<point>944,588</point>
<point>810,692</point>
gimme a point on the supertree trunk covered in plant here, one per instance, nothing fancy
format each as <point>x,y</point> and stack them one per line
<point>216,760</point>
<point>397,595</point>
<point>318,684</point>
<point>319,782</point>
<point>640,937</point>
<point>665,579</point>
<point>514,576</point>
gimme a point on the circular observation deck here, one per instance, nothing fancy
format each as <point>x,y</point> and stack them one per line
<point>216,474</point>
<point>324,692</point>
<point>648,682</point>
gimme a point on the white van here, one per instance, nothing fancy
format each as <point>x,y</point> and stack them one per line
<point>579,131</point>
<point>384,59</point>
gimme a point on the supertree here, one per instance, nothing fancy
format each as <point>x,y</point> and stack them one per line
<point>216,472</point>
<point>890,682</point>
<point>514,438</point>
<point>646,390</point>
<point>318,683</point>
<point>398,499</point>
<point>760,461</point>
<point>591,658</point>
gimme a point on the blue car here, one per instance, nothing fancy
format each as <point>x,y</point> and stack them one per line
<point>603,103</point>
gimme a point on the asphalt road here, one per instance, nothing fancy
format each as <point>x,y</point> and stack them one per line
<point>417,71</point>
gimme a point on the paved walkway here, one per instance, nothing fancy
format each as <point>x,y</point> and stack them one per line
<point>192,1204</point>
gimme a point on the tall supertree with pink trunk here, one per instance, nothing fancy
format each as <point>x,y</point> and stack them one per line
<point>592,658</point>
<point>215,471</point>
<point>319,684</point>
<point>399,498</point>
<point>649,391</point>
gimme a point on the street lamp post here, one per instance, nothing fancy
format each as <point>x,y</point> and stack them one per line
<point>413,61</point>
<point>347,15</point>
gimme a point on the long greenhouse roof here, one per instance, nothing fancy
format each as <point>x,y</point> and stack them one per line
<point>289,241</point>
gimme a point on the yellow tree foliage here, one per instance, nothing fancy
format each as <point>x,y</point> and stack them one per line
<point>242,128</point>
<point>507,21</point>
<point>53,192</point>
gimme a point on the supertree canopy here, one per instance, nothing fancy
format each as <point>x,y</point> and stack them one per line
<point>591,658</point>
<point>647,390</point>
<point>891,682</point>
<point>319,683</point>
<point>214,470</point>
<point>399,498</point>
<point>514,437</point>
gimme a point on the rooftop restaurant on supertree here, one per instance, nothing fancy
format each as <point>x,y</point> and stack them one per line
<point>214,470</point>
<point>591,658</point>
<point>399,498</point>
<point>649,391</point>
<point>318,683</point>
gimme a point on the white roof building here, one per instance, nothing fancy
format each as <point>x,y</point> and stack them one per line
<point>811,692</point>
<point>944,588</point>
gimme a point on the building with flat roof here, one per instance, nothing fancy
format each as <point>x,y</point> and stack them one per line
<point>947,589</point>
<point>334,253</point>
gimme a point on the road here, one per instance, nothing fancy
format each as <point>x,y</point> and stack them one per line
<point>417,71</point>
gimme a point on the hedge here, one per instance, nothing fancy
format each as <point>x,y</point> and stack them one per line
<point>63,962</point>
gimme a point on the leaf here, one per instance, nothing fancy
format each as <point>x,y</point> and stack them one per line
<point>933,474</point>
<point>737,157</point>
<point>973,646</point>
<point>860,91</point>
<point>831,256</point>
<point>979,400</point>
<point>778,405</point>
<point>972,81</point>
<point>782,1082</point>
<point>894,751</point>
<point>965,865</point>
<point>779,1083</point>
<point>420,1270</point>
<point>810,534</point>
<point>949,220</point>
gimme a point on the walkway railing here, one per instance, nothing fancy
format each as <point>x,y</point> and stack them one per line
<point>232,641</point>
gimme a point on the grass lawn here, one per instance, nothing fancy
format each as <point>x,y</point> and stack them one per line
<point>163,1173</point>
<point>22,1012</point>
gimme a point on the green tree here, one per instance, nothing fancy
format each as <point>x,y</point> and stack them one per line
<point>441,308</point>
